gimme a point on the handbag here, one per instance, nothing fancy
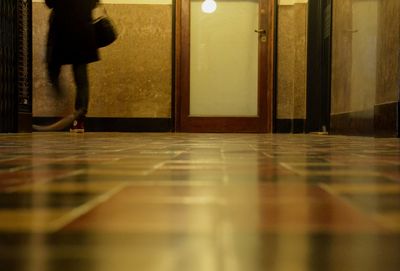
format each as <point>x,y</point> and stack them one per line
<point>104,29</point>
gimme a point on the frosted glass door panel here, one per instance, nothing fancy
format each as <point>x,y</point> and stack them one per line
<point>224,60</point>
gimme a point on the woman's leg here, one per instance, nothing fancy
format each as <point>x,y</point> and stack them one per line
<point>53,71</point>
<point>82,87</point>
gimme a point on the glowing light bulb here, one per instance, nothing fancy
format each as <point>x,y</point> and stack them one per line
<point>208,6</point>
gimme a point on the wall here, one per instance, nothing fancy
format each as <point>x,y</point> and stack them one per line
<point>365,68</point>
<point>292,66</point>
<point>387,105</point>
<point>133,78</point>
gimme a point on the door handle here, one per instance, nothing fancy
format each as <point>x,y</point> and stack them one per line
<point>260,31</point>
<point>262,34</point>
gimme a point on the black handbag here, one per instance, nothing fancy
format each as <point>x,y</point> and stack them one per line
<point>104,31</point>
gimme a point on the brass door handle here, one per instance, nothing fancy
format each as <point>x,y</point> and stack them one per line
<point>262,34</point>
<point>260,31</point>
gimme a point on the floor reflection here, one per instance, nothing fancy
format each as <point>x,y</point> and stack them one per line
<point>198,202</point>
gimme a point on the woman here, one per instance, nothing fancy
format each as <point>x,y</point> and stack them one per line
<point>71,40</point>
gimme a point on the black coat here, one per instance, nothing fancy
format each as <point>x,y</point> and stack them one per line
<point>71,38</point>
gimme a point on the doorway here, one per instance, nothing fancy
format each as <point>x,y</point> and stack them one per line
<point>224,66</point>
<point>319,65</point>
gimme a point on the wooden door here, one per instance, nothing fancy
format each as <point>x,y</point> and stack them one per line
<point>224,66</point>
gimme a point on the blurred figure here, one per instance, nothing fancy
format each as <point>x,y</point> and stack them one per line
<point>71,40</point>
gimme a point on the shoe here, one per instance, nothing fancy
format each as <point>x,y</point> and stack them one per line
<point>77,127</point>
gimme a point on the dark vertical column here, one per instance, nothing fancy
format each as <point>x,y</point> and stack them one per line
<point>8,43</point>
<point>15,65</point>
<point>318,65</point>
<point>326,64</point>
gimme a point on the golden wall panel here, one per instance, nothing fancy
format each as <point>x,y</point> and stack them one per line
<point>133,78</point>
<point>292,59</point>
<point>286,67</point>
<point>300,75</point>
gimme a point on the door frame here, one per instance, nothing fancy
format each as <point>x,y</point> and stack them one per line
<point>263,123</point>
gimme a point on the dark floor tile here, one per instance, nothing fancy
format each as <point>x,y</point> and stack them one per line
<point>12,201</point>
<point>350,179</point>
<point>102,177</point>
<point>8,167</point>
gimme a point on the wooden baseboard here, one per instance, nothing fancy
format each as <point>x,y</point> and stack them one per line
<point>380,121</point>
<point>386,120</point>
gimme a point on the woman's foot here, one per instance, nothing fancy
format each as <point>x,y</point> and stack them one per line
<point>77,126</point>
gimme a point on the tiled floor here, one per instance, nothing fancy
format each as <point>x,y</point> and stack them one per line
<point>198,202</point>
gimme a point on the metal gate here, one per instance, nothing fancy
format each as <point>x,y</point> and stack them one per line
<point>15,65</point>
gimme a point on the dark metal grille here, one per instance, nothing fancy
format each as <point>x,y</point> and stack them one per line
<point>15,62</point>
<point>8,110</point>
<point>24,56</point>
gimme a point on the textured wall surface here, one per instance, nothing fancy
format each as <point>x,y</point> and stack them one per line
<point>292,61</point>
<point>133,78</point>
<point>365,68</point>
<point>365,57</point>
<point>341,56</point>
<point>388,76</point>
